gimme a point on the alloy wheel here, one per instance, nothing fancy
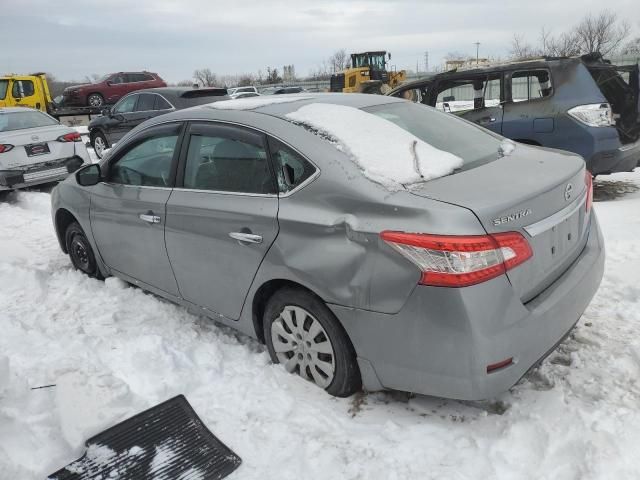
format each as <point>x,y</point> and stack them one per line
<point>303,346</point>
<point>99,145</point>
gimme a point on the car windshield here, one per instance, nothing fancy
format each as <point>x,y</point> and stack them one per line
<point>10,121</point>
<point>445,132</point>
<point>3,88</point>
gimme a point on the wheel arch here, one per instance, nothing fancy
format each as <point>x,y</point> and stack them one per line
<point>262,296</point>
<point>63,219</point>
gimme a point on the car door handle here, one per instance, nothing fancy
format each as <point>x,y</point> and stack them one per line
<point>149,217</point>
<point>246,237</point>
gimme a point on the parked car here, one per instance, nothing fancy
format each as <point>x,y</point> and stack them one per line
<point>35,148</point>
<point>135,108</point>
<point>583,104</point>
<point>281,90</point>
<point>244,95</point>
<point>452,287</point>
<point>236,90</point>
<point>110,88</point>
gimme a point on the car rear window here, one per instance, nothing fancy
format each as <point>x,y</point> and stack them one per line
<point>10,121</point>
<point>472,144</point>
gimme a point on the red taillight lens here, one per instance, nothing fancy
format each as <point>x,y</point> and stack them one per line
<point>588,180</point>
<point>70,137</point>
<point>5,147</point>
<point>460,261</point>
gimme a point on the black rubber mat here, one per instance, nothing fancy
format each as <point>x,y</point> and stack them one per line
<point>166,442</point>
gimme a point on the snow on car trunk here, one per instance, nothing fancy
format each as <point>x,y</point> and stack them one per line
<point>385,153</point>
<point>575,417</point>
<point>255,102</point>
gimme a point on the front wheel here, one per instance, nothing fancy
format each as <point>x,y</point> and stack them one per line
<point>95,100</point>
<point>80,251</point>
<point>306,338</point>
<point>99,144</point>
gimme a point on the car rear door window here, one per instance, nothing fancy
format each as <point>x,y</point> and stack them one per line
<point>466,94</point>
<point>291,168</point>
<point>126,105</point>
<point>148,163</point>
<point>530,85</point>
<point>145,102</point>
<point>225,159</point>
<point>161,103</point>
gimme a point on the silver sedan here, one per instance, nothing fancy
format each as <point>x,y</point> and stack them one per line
<point>35,148</point>
<point>370,242</point>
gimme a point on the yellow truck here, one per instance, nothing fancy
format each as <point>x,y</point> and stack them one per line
<point>32,91</point>
<point>367,74</point>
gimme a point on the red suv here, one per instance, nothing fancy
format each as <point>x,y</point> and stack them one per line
<point>110,88</point>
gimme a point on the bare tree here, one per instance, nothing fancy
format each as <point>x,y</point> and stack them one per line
<point>632,48</point>
<point>246,79</point>
<point>185,83</point>
<point>566,44</point>
<point>205,78</point>
<point>521,49</point>
<point>602,33</point>
<point>273,76</point>
<point>339,61</point>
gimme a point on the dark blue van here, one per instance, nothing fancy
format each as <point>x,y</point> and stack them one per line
<point>582,104</point>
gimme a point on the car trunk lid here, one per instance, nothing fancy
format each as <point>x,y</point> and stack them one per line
<point>45,138</point>
<point>538,192</point>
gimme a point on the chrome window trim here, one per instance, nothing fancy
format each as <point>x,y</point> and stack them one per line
<point>224,192</point>
<point>150,187</point>
<point>548,223</point>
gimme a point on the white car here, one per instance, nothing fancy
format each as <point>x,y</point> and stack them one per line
<point>238,90</point>
<point>35,148</point>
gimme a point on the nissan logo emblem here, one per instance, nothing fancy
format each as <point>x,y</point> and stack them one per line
<point>568,190</point>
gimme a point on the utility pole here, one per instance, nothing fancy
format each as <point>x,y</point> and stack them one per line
<point>426,61</point>
<point>477,44</point>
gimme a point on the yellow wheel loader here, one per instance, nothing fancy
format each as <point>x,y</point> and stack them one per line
<point>368,74</point>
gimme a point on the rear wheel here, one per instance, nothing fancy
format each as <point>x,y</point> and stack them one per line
<point>99,143</point>
<point>80,251</point>
<point>302,334</point>
<point>95,100</point>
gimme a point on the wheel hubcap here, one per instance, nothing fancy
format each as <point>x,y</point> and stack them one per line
<point>98,146</point>
<point>303,346</point>
<point>95,101</point>
<point>80,254</point>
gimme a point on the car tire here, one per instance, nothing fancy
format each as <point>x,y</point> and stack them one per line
<point>95,100</point>
<point>99,143</point>
<point>304,335</point>
<point>80,251</point>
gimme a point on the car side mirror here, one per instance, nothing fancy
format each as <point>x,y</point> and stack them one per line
<point>105,112</point>
<point>109,83</point>
<point>89,175</point>
<point>119,117</point>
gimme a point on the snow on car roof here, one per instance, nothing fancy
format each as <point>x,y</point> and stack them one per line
<point>255,102</point>
<point>386,153</point>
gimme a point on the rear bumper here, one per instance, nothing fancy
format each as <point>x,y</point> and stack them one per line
<point>52,171</point>
<point>624,158</point>
<point>443,339</point>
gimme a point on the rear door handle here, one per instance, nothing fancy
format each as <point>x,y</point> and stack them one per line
<point>246,237</point>
<point>149,217</point>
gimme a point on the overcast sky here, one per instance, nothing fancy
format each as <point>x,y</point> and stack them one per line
<point>75,38</point>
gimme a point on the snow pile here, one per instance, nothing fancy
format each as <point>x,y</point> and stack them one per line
<point>385,153</point>
<point>576,417</point>
<point>506,147</point>
<point>252,103</point>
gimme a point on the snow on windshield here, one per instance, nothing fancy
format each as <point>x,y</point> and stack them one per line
<point>254,102</point>
<point>386,153</point>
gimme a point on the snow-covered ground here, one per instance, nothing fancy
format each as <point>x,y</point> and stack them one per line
<point>111,350</point>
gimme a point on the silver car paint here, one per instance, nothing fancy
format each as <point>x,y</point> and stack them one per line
<point>422,339</point>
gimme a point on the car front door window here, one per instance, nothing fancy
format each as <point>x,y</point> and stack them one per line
<point>126,105</point>
<point>147,164</point>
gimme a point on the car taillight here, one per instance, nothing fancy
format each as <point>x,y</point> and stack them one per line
<point>5,147</point>
<point>70,137</point>
<point>593,115</point>
<point>588,180</point>
<point>460,261</point>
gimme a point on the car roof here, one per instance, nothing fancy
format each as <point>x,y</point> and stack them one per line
<point>18,109</point>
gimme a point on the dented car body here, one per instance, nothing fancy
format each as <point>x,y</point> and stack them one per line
<point>302,214</point>
<point>581,104</point>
